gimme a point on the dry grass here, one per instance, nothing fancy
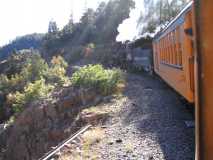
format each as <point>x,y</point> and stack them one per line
<point>96,110</point>
<point>120,88</point>
<point>89,138</point>
<point>94,116</point>
<point>129,146</point>
<point>93,136</point>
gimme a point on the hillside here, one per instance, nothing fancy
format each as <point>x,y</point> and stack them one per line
<point>24,42</point>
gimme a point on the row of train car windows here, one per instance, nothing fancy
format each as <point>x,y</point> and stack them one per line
<point>169,48</point>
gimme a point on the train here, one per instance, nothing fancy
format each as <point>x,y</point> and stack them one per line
<point>183,58</point>
<point>173,54</point>
<point>139,54</point>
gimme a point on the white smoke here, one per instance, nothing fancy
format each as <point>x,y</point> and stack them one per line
<point>128,29</point>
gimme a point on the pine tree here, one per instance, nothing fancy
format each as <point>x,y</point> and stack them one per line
<point>68,28</point>
<point>52,27</point>
<point>158,13</point>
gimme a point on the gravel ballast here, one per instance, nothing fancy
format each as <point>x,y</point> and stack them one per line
<point>147,123</point>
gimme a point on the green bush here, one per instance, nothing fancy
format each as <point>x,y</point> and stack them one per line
<point>3,82</point>
<point>34,80</point>
<point>34,68</point>
<point>33,91</point>
<point>56,74</point>
<point>95,76</point>
<point>7,85</point>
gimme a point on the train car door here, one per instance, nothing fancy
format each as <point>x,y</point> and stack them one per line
<point>189,53</point>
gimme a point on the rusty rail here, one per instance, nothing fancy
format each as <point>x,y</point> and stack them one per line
<point>62,144</point>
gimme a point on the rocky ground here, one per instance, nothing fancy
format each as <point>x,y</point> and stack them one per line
<point>146,123</point>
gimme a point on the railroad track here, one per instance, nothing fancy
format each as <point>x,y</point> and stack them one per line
<point>64,143</point>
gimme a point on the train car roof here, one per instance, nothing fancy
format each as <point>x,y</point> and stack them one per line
<point>178,20</point>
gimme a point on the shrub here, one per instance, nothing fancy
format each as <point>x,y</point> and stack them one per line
<point>34,68</point>
<point>3,82</point>
<point>57,72</point>
<point>34,80</point>
<point>33,91</point>
<point>59,61</point>
<point>95,76</point>
<point>17,61</point>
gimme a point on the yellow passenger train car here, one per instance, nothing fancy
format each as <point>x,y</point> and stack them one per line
<point>183,57</point>
<point>173,54</point>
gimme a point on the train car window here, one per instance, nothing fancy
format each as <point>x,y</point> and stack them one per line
<point>171,53</point>
<point>164,53</point>
<point>160,46</point>
<point>180,45</point>
<point>173,48</point>
<point>167,49</point>
<point>157,51</point>
<point>170,48</point>
<point>162,49</point>
<point>164,57</point>
<point>176,48</point>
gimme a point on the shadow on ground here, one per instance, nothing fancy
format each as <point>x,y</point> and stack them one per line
<point>157,112</point>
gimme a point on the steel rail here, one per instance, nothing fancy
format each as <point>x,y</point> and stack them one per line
<point>62,144</point>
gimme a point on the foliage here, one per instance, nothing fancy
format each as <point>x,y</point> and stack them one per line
<point>16,62</point>
<point>33,68</point>
<point>75,54</point>
<point>95,27</point>
<point>33,80</point>
<point>95,76</point>
<point>52,28</point>
<point>158,13</point>
<point>59,61</point>
<point>33,91</point>
<point>16,82</point>
<point>57,72</point>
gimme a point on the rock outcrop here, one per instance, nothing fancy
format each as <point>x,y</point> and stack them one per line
<point>43,125</point>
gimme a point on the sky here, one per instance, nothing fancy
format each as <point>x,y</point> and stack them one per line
<point>20,17</point>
